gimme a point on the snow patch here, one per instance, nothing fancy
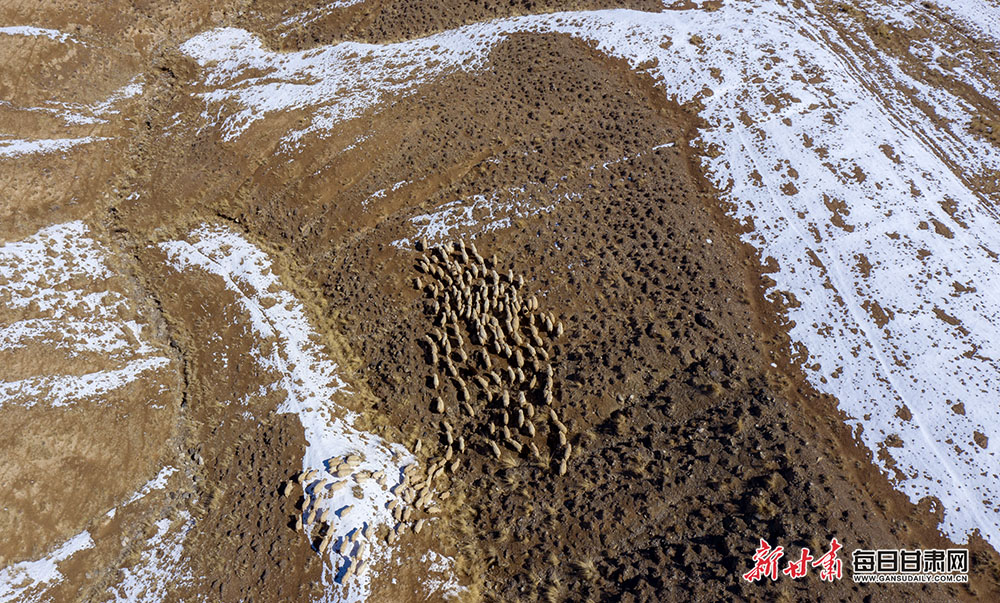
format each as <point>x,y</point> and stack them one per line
<point>66,390</point>
<point>336,82</point>
<point>306,17</point>
<point>11,148</point>
<point>161,567</point>
<point>476,215</point>
<point>38,32</point>
<point>157,483</point>
<point>96,113</point>
<point>22,582</point>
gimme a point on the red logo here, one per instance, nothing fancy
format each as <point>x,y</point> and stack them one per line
<point>766,561</point>
<point>833,568</point>
<point>797,569</point>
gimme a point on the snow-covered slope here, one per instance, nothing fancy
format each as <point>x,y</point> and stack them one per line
<point>61,300</point>
<point>71,342</point>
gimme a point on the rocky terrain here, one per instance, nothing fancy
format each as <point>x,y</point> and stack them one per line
<point>399,301</point>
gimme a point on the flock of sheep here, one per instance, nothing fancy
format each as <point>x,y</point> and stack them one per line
<point>492,345</point>
<point>412,493</point>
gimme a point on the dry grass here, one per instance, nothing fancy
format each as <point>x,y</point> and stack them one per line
<point>555,590</point>
<point>764,507</point>
<point>509,461</point>
<point>786,596</point>
<point>586,484</point>
<point>587,570</point>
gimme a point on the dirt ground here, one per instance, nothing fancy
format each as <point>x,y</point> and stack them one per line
<point>693,434</point>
